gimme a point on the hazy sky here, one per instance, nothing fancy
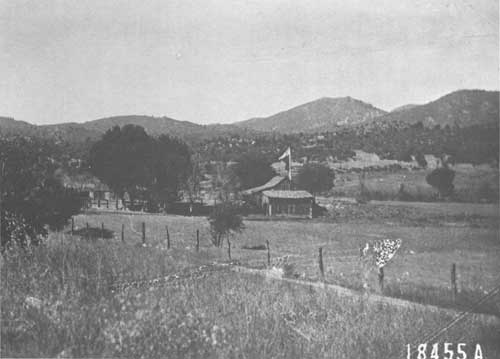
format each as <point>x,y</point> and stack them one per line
<point>222,61</point>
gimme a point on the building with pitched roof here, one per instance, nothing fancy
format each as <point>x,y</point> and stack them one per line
<point>288,203</point>
<point>276,198</point>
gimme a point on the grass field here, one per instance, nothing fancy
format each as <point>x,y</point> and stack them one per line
<point>474,184</point>
<point>236,315</point>
<point>422,265</point>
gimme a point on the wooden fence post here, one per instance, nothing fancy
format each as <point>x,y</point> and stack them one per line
<point>99,203</point>
<point>102,230</point>
<point>87,234</point>
<point>268,254</point>
<point>72,226</point>
<point>168,238</point>
<point>381,278</point>
<point>143,233</point>
<point>123,233</point>
<point>198,241</point>
<point>116,204</point>
<point>454,281</point>
<point>321,268</point>
<point>229,248</point>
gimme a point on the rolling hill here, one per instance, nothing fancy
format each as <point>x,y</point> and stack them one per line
<point>462,108</point>
<point>321,115</point>
<point>92,130</point>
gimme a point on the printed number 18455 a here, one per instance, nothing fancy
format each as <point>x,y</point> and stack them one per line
<point>444,351</point>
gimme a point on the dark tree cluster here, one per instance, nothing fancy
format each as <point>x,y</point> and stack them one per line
<point>32,198</point>
<point>130,161</point>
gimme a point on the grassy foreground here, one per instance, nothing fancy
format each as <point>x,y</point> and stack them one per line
<point>226,315</point>
<point>230,315</point>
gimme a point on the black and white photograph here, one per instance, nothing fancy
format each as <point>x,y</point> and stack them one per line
<point>249,179</point>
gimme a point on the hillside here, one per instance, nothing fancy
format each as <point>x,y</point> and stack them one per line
<point>79,133</point>
<point>9,126</point>
<point>317,116</point>
<point>462,108</point>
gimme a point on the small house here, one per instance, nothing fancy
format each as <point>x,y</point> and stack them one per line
<point>288,203</point>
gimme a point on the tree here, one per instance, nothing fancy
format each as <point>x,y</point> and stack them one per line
<point>128,160</point>
<point>224,221</point>
<point>442,179</point>
<point>121,159</point>
<point>32,199</point>
<point>170,168</point>
<point>315,178</point>
<point>253,169</point>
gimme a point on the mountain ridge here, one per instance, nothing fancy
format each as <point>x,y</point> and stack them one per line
<point>459,108</point>
<point>319,115</point>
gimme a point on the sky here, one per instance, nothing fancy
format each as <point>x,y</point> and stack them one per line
<point>215,61</point>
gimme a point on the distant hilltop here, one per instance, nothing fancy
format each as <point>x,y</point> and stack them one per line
<point>460,108</point>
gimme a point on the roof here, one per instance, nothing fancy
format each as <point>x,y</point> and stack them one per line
<point>276,180</point>
<point>288,194</point>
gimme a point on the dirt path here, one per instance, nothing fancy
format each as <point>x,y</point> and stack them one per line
<point>371,298</point>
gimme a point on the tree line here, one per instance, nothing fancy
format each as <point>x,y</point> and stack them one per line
<point>153,169</point>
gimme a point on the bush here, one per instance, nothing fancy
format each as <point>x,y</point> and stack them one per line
<point>442,180</point>
<point>224,220</point>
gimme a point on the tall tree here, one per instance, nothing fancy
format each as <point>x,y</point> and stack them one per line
<point>128,160</point>
<point>170,168</point>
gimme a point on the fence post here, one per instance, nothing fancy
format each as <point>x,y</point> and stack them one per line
<point>72,226</point>
<point>143,233</point>
<point>268,254</point>
<point>454,281</point>
<point>198,242</point>
<point>99,203</point>
<point>381,278</point>
<point>123,233</point>
<point>107,204</point>
<point>168,238</point>
<point>229,248</point>
<point>321,268</point>
<point>88,231</point>
<point>116,204</point>
<point>102,230</point>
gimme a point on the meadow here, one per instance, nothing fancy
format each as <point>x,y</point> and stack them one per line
<point>235,315</point>
<point>472,184</point>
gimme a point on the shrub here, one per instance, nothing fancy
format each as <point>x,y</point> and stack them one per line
<point>442,180</point>
<point>224,220</point>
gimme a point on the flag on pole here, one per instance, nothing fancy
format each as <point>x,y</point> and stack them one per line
<point>287,158</point>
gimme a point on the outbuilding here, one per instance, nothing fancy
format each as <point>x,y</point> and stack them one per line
<point>288,203</point>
